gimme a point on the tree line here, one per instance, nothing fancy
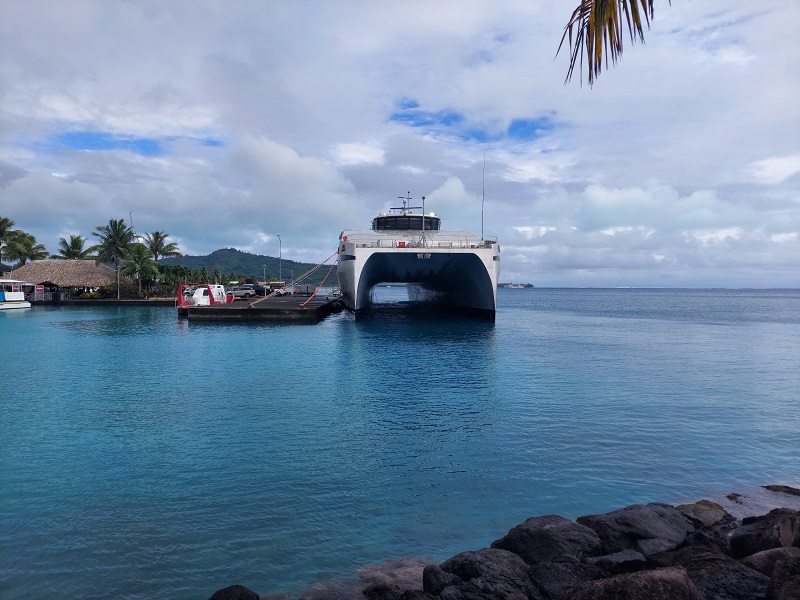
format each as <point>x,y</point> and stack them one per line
<point>116,243</point>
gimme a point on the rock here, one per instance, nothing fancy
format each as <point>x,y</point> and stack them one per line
<point>675,558</point>
<point>722,578</point>
<point>784,489</point>
<point>624,561</point>
<point>778,528</point>
<point>488,574</point>
<point>714,538</point>
<point>234,592</point>
<point>434,579</point>
<point>660,584</point>
<point>704,513</point>
<point>401,573</point>
<point>646,528</point>
<point>785,584</point>
<point>416,595</point>
<point>545,538</point>
<point>382,591</point>
<point>764,561</point>
<point>557,577</point>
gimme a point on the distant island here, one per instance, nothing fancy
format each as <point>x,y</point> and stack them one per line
<point>231,260</point>
<point>515,285</point>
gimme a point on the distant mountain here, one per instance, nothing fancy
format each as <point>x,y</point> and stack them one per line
<point>244,264</point>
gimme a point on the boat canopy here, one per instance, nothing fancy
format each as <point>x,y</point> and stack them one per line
<point>406,222</point>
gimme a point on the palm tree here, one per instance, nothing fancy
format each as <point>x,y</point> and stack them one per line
<point>5,229</point>
<point>599,27</point>
<point>115,240</point>
<point>22,247</point>
<point>140,264</point>
<point>156,242</point>
<point>72,249</point>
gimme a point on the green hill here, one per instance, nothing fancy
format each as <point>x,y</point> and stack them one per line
<point>244,264</point>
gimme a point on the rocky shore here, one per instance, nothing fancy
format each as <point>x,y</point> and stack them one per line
<point>738,548</point>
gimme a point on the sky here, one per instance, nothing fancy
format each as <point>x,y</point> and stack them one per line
<point>228,124</point>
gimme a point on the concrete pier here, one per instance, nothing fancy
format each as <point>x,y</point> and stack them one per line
<point>275,308</point>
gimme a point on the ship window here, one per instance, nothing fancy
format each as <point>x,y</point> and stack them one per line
<point>432,223</point>
<point>415,223</point>
<point>390,223</point>
<point>402,222</point>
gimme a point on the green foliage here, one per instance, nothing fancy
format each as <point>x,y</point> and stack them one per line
<point>22,247</point>
<point>114,241</point>
<point>156,242</point>
<point>72,249</point>
<point>139,265</point>
<point>90,296</point>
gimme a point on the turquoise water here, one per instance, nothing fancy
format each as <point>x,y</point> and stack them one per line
<point>145,456</point>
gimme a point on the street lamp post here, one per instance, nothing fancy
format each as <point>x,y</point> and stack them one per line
<point>280,257</point>
<point>265,281</point>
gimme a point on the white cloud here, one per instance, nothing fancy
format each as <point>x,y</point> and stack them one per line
<point>776,168</point>
<point>357,154</point>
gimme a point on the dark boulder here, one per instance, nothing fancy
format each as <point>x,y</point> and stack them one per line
<point>778,528</point>
<point>434,579</point>
<point>382,591</point>
<point>722,578</point>
<point>234,592</point>
<point>785,583</point>
<point>646,528</point>
<point>624,561</point>
<point>765,561</point>
<point>783,489</point>
<point>715,538</point>
<point>544,538</point>
<point>489,573</point>
<point>417,595</point>
<point>705,513</point>
<point>557,577</point>
<point>661,584</point>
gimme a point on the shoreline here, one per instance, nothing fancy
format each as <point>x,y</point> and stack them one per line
<point>742,546</point>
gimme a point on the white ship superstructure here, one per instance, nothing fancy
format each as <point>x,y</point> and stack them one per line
<point>452,269</point>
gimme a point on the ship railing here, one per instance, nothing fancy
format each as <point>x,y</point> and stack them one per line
<point>438,242</point>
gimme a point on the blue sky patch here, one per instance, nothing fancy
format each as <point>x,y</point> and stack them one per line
<point>94,140</point>
<point>97,140</point>
<point>453,123</point>
<point>525,130</point>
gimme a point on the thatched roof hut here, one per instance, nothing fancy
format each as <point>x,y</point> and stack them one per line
<point>68,273</point>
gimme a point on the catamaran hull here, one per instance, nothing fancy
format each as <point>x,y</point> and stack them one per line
<point>459,279</point>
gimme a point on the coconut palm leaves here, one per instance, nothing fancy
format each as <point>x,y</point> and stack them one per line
<point>72,249</point>
<point>22,247</point>
<point>598,30</point>
<point>114,243</point>
<point>156,242</point>
<point>5,229</point>
<point>139,264</point>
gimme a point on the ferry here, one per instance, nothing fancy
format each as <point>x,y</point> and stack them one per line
<point>12,296</point>
<point>455,270</point>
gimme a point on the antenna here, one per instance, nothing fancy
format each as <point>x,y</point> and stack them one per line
<point>483,185</point>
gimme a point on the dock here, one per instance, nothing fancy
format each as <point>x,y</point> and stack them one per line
<point>273,308</point>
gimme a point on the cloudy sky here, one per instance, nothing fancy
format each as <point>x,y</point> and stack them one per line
<point>227,123</point>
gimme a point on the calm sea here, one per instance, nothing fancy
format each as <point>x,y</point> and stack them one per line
<point>143,456</point>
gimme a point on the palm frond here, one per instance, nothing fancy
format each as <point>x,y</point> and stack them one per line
<point>596,28</point>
